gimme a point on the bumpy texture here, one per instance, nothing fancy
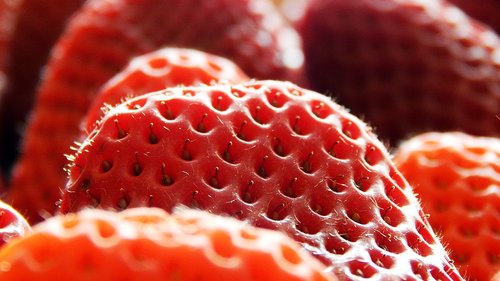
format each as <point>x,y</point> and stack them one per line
<point>485,11</point>
<point>35,29</point>
<point>457,177</point>
<point>160,69</point>
<point>12,224</point>
<point>406,66</point>
<point>149,244</point>
<point>269,153</point>
<point>101,39</point>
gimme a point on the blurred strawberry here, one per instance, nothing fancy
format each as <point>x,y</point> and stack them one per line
<point>269,153</point>
<point>486,11</point>
<point>8,16</point>
<point>161,69</point>
<point>12,224</point>
<point>35,27</point>
<point>405,66</point>
<point>148,244</point>
<point>100,40</point>
<point>458,179</point>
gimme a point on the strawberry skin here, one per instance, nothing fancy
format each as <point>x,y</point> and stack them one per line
<point>405,66</point>
<point>12,224</point>
<point>149,244</point>
<point>160,69</point>
<point>272,154</point>
<point>35,27</point>
<point>457,177</point>
<point>101,39</point>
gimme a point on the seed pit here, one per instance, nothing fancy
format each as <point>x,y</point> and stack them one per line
<point>418,245</point>
<point>278,147</point>
<point>389,243</point>
<point>153,138</point>
<point>220,101</point>
<point>350,129</point>
<point>320,109</point>
<point>339,149</point>
<point>373,155</point>
<point>106,166</point>
<point>336,246</point>
<point>165,179</point>
<point>185,154</point>
<point>381,259</point>
<point>337,184</point>
<point>396,195</point>
<point>158,63</point>
<point>165,111</point>
<point>120,133</point>
<point>276,98</point>
<point>362,269</point>
<point>290,255</point>
<point>277,211</point>
<point>136,167</point>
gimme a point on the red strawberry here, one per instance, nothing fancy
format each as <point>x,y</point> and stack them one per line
<point>35,26</point>
<point>458,179</point>
<point>161,69</point>
<point>269,153</point>
<point>149,244</point>
<point>406,66</point>
<point>484,10</point>
<point>99,41</point>
<point>12,224</point>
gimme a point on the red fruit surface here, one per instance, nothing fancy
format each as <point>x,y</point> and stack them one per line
<point>486,11</point>
<point>160,69</point>
<point>272,154</point>
<point>149,244</point>
<point>36,26</point>
<point>12,224</point>
<point>101,39</point>
<point>405,66</point>
<point>457,177</point>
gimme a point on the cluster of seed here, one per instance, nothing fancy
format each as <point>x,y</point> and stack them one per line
<point>291,155</point>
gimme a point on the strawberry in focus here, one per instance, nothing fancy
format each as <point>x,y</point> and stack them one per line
<point>101,39</point>
<point>269,153</point>
<point>149,244</point>
<point>160,69</point>
<point>457,177</point>
<point>405,66</point>
<point>12,224</point>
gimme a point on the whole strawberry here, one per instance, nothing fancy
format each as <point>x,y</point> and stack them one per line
<point>149,244</point>
<point>101,39</point>
<point>406,66</point>
<point>160,69</point>
<point>12,224</point>
<point>272,154</point>
<point>457,177</point>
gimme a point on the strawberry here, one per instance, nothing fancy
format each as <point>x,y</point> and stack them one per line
<point>12,224</point>
<point>272,154</point>
<point>35,27</point>
<point>149,244</point>
<point>485,11</point>
<point>458,179</point>
<point>160,69</point>
<point>399,64</point>
<point>100,40</point>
